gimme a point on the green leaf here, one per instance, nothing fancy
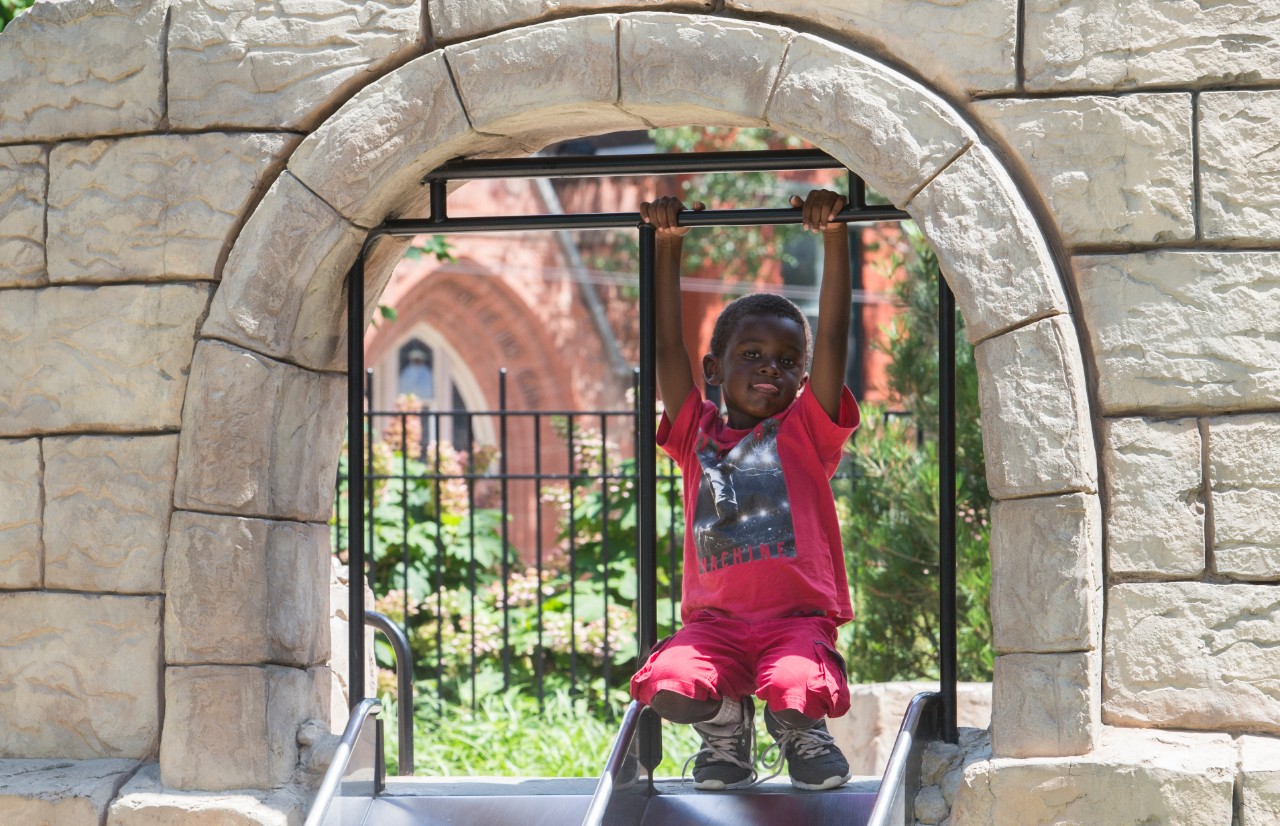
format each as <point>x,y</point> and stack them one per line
<point>626,585</point>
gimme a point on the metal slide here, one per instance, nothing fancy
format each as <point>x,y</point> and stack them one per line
<point>356,792</point>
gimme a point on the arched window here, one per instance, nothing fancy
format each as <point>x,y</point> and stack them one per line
<point>417,373</point>
<point>424,366</point>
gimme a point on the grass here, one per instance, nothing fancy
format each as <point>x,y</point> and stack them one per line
<point>507,736</point>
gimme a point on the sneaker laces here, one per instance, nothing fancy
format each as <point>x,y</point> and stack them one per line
<point>722,748</point>
<point>802,742</point>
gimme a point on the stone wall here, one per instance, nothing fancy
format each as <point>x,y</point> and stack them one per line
<point>184,184</point>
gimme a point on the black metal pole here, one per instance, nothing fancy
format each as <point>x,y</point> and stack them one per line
<point>471,546</point>
<point>370,490</point>
<point>647,488</point>
<point>947,506</point>
<point>438,577</point>
<point>439,195</point>
<point>604,542</point>
<point>640,163</point>
<point>573,555</point>
<point>506,540</point>
<point>404,685</point>
<point>857,191</point>
<point>540,656</point>
<point>857,321</point>
<point>621,220</point>
<point>355,481</point>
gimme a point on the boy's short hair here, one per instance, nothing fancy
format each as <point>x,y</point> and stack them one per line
<point>758,304</point>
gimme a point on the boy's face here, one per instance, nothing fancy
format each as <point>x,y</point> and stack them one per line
<point>761,370</point>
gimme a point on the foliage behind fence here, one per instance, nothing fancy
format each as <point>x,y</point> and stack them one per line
<point>483,616</point>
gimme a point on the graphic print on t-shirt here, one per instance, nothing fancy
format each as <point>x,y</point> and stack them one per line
<point>743,513</point>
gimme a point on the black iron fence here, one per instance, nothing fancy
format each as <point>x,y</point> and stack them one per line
<point>510,561</point>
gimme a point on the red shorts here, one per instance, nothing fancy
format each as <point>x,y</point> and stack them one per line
<point>789,662</point>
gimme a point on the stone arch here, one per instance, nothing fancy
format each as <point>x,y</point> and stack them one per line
<point>263,415</point>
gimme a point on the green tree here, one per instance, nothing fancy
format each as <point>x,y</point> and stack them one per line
<point>891,516</point>
<point>10,9</point>
<point>747,252</point>
<point>746,255</point>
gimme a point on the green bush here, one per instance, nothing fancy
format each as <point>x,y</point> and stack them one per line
<point>10,9</point>
<point>890,520</point>
<point>437,569</point>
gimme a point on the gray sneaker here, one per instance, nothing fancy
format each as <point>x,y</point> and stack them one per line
<point>726,760</point>
<point>813,759</point>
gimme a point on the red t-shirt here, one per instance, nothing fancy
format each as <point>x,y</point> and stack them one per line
<point>761,536</point>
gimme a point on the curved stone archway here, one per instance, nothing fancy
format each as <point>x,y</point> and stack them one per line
<point>262,422</point>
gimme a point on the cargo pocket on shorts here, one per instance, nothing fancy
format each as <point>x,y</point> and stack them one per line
<point>834,676</point>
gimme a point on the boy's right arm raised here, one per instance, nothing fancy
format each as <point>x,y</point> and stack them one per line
<point>675,378</point>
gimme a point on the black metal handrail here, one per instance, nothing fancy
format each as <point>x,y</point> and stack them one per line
<point>410,227</point>
<point>640,163</point>
<point>404,686</point>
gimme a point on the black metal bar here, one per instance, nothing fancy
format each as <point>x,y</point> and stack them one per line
<point>371,548</point>
<point>506,540</point>
<point>675,542</point>
<point>573,564</point>
<point>604,540</point>
<point>355,481</point>
<point>947,507</point>
<point>379,758</point>
<point>857,320</point>
<point>640,163</point>
<point>471,546</point>
<point>857,191</point>
<point>438,580</point>
<point>404,685</point>
<point>494,413</point>
<point>515,477</point>
<point>439,194</point>
<point>646,489</point>
<point>404,514</point>
<point>539,657</point>
<point>408,227</point>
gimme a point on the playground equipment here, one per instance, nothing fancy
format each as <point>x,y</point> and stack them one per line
<point>356,789</point>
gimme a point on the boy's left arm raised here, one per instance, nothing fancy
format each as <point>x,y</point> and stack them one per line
<point>831,340</point>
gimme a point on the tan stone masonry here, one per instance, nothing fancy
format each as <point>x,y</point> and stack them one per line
<point>172,348</point>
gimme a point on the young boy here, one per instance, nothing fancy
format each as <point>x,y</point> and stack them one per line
<point>764,576</point>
